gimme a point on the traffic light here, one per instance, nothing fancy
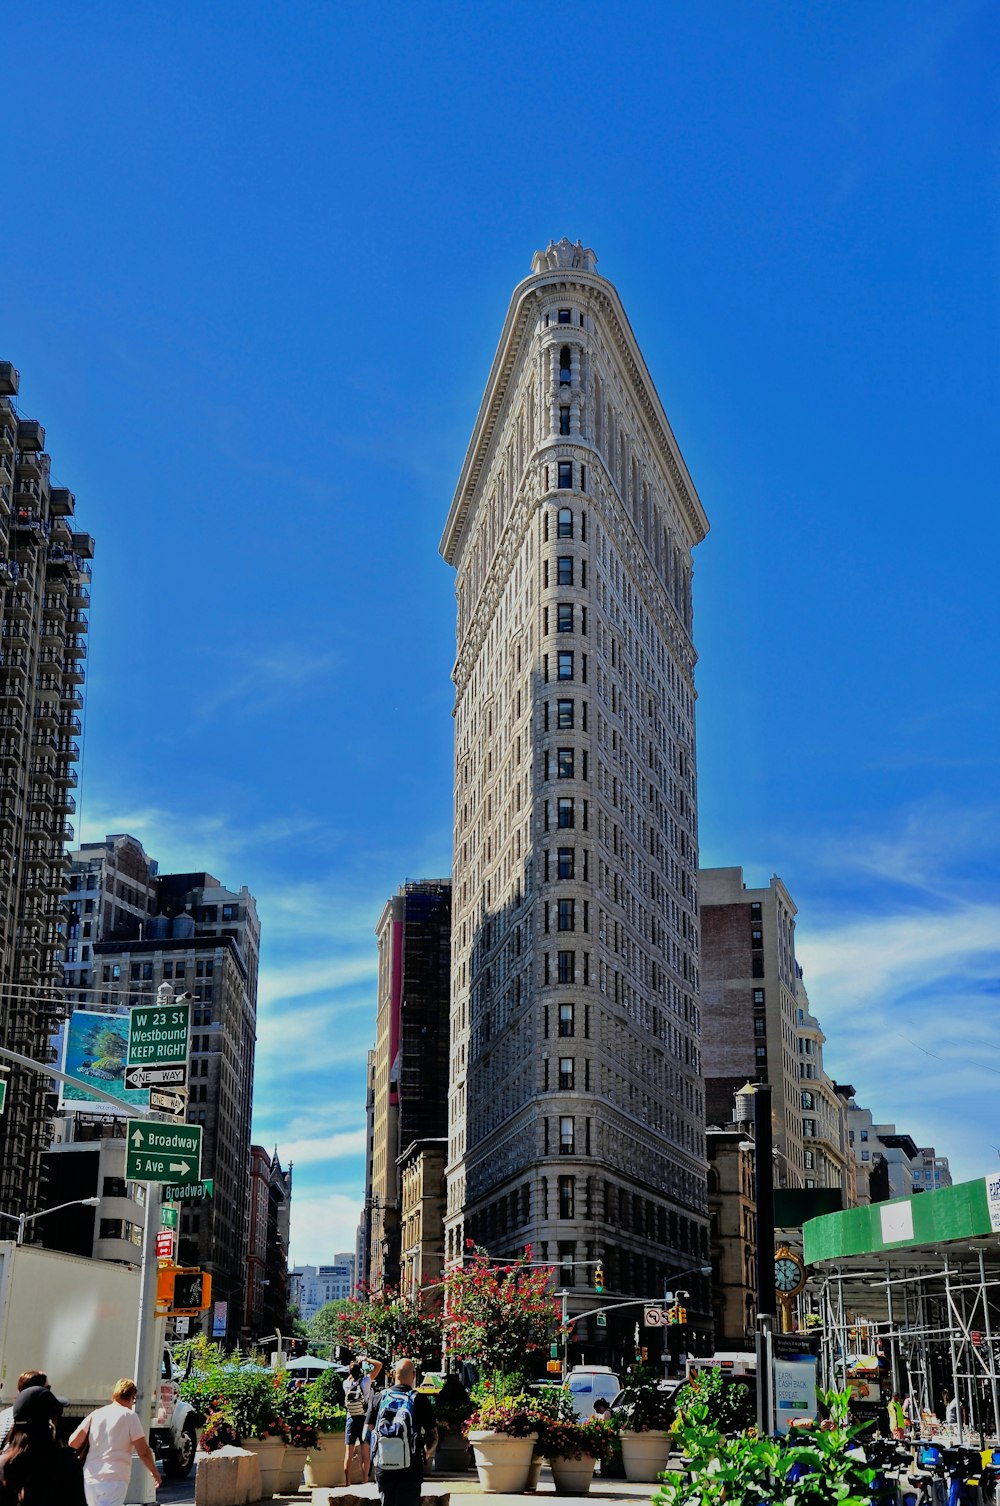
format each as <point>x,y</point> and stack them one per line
<point>183,1293</point>
<point>644,1352</point>
<point>599,1278</point>
<point>673,1315</point>
<point>682,1315</point>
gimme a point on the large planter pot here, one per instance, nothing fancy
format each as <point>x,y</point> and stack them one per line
<point>292,1467</point>
<point>572,1477</point>
<point>270,1456</point>
<point>451,1456</point>
<point>535,1472</point>
<point>502,1463</point>
<point>645,1455</point>
<point>325,1462</point>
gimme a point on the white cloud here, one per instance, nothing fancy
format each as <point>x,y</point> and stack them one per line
<point>308,1151</point>
<point>323,1224</point>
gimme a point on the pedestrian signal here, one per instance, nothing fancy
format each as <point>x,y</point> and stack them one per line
<point>182,1292</point>
<point>553,1367</point>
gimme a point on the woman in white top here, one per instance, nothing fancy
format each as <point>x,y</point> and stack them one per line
<point>114,1433</point>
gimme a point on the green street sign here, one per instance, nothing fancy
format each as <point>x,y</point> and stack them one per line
<point>3,1094</point>
<point>158,1036</point>
<point>160,1152</point>
<point>168,1218</point>
<point>189,1192</point>
<point>602,1321</point>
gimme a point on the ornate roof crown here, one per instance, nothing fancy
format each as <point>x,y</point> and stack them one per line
<point>564,253</point>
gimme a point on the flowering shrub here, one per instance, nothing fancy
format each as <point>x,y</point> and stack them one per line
<point>298,1426</point>
<point>496,1315</point>
<point>380,1324</point>
<point>218,1432</point>
<point>561,1439</point>
<point>512,1415</point>
<point>642,1405</point>
<point>325,1402</point>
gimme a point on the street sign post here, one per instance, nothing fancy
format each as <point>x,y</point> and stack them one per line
<point>158,1035</point>
<point>601,1320</point>
<point>168,1101</point>
<point>3,1094</point>
<point>654,1317</point>
<point>157,1077</point>
<point>161,1152</point>
<point>165,1245</point>
<point>168,1218</point>
<point>189,1192</point>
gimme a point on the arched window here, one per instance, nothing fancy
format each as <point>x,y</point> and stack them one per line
<point>565,364</point>
<point>565,525</point>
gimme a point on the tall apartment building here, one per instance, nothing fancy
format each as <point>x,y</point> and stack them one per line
<point>268,1283</point>
<point>312,1287</point>
<point>826,1154</point>
<point>44,595</point>
<point>930,1171</point>
<point>576,1112</point>
<point>410,1067</point>
<point>749,987</point>
<point>132,929</point>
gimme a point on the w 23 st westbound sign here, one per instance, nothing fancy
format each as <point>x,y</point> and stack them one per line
<point>163,1152</point>
<point>158,1036</point>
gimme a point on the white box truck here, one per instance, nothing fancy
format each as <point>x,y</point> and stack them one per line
<point>75,1320</point>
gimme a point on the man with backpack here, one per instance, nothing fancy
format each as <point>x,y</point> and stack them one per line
<point>357,1400</point>
<point>404,1435</point>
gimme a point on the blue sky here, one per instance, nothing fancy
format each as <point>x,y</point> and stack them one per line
<point>255,264</point>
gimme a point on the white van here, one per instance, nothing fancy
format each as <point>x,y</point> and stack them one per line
<point>587,1384</point>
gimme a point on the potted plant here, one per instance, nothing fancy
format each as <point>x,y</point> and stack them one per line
<point>503,1432</point>
<point>325,1405</point>
<point>254,1398</point>
<point>452,1409</point>
<point>645,1412</point>
<point>573,1449</point>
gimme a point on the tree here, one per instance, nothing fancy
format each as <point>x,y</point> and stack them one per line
<point>496,1315</point>
<point>382,1325</point>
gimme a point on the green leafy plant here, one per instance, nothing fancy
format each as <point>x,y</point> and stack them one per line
<point>563,1438</point>
<point>380,1325</point>
<point>513,1415</point>
<point>453,1405</point>
<point>642,1405</point>
<point>731,1406</point>
<point>295,1418</point>
<point>218,1432</point>
<point>325,1402</point>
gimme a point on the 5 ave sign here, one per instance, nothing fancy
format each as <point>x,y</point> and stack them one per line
<point>163,1152</point>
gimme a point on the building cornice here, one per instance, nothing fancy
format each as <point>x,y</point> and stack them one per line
<point>525,298</point>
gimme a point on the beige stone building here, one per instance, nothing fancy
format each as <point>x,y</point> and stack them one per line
<point>576,1116</point>
<point>44,596</point>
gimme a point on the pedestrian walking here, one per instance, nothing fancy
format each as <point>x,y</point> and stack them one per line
<point>35,1468</point>
<point>24,1380</point>
<point>404,1437</point>
<point>897,1416</point>
<point>111,1435</point>
<point>361,1377</point>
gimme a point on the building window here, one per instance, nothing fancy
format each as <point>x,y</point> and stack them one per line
<point>565,474</point>
<point>758,998</point>
<point>864,1134</point>
<point>564,617</point>
<point>808,1101</point>
<point>567,915</point>
<point>563,420</point>
<point>850,1137</point>
<point>566,1073</point>
<point>564,316</point>
<point>566,763</point>
<point>113,1187</point>
<point>564,715</point>
<point>565,364</point>
<point>865,1155</point>
<point>567,862</point>
<point>566,1029</point>
<point>566,1196</point>
<point>564,528</point>
<point>755,910</point>
<point>564,570</point>
<point>567,1136</point>
<point>566,812</point>
<point>757,939</point>
<point>757,967</point>
<point>808,1159</point>
<point>565,664</point>
<point>809,1128</point>
<point>760,1053</point>
<point>760,1025</point>
<point>229,912</point>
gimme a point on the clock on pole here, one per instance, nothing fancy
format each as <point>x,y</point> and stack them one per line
<point>789,1279</point>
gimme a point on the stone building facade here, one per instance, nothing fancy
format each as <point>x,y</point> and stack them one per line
<point>576,1114</point>
<point>44,597</point>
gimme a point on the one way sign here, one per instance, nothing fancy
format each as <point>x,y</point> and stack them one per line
<point>163,1152</point>
<point>156,1077</point>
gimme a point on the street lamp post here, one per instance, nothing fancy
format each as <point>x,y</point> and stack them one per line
<point>24,1219</point>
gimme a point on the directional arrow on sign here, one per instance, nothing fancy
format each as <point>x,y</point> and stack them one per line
<point>153,1077</point>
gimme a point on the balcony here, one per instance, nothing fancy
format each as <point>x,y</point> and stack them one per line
<point>12,692</point>
<point>26,519</point>
<point>10,754</point>
<point>60,533</point>
<point>67,748</point>
<point>78,596</point>
<point>83,545</point>
<point>72,698</point>
<point>30,434</point>
<point>10,379</point>
<point>77,646</point>
<point>73,672</point>
<point>68,778</point>
<point>61,502</point>
<point>71,724</point>
<point>32,465</point>
<point>64,803</point>
<point>47,713</point>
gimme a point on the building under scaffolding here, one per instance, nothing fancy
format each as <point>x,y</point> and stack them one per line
<point>912,1288</point>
